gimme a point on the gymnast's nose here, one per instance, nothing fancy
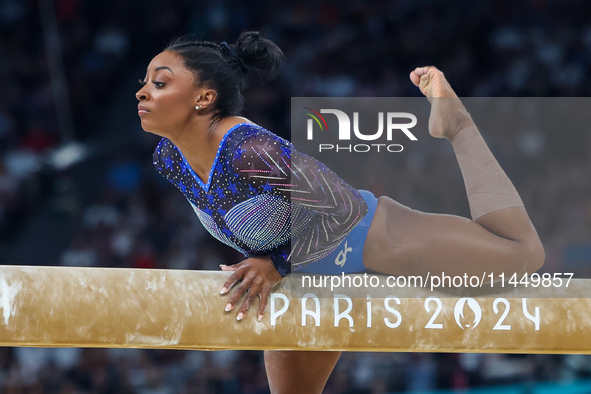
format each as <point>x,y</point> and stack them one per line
<point>142,94</point>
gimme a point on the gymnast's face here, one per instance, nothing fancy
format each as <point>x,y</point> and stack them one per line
<point>168,96</point>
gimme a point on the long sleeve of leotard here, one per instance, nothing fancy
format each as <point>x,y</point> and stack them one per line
<point>324,208</point>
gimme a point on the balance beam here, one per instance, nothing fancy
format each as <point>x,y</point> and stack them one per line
<point>178,309</point>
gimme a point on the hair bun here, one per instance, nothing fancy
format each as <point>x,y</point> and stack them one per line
<point>259,52</point>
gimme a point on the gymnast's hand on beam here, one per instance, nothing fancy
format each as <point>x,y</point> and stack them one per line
<point>255,276</point>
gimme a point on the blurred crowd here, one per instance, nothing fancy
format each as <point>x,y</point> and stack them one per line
<point>74,370</point>
<point>127,215</point>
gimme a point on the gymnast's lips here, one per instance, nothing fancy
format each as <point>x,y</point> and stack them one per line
<point>141,110</point>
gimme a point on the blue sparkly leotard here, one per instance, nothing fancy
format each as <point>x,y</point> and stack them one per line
<point>263,197</point>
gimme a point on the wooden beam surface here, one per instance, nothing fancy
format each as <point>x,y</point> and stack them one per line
<point>178,309</point>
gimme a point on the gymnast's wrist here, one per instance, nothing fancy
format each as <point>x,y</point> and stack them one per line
<point>280,263</point>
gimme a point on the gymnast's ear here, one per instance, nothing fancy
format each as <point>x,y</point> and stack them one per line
<point>206,99</point>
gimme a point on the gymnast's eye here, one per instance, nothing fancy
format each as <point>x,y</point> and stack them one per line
<point>159,85</point>
<point>141,82</point>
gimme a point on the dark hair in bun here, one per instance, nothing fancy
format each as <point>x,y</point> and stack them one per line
<point>226,67</point>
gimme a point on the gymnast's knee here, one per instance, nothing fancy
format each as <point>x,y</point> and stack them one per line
<point>533,254</point>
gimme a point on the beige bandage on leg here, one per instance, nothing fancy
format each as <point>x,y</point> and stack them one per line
<point>488,187</point>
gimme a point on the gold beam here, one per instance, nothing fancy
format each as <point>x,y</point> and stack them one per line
<point>177,309</point>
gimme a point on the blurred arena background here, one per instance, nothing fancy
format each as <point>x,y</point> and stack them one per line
<point>77,186</point>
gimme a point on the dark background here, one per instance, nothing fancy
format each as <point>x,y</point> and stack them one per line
<point>110,208</point>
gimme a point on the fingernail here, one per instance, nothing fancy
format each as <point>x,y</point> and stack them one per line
<point>228,307</point>
<point>260,317</point>
<point>240,316</point>
<point>223,290</point>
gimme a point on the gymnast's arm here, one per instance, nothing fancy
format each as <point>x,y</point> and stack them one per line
<point>324,209</point>
<point>267,164</point>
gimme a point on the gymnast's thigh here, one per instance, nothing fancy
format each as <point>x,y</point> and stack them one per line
<point>393,237</point>
<point>299,371</point>
<point>403,241</point>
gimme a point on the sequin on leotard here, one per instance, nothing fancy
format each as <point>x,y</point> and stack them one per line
<point>263,197</point>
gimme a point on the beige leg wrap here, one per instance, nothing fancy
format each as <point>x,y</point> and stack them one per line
<point>488,187</point>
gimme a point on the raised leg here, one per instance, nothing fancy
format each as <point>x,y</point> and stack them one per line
<point>296,372</point>
<point>499,239</point>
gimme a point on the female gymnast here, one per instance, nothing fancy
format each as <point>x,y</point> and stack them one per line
<point>286,211</point>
